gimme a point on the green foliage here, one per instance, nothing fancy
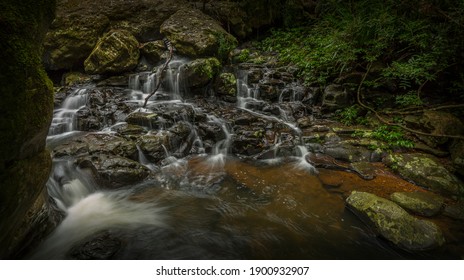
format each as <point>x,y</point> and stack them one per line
<point>351,115</point>
<point>244,55</point>
<point>392,136</point>
<point>409,99</point>
<point>418,42</point>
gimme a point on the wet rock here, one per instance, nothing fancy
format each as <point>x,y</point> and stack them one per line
<point>98,247</point>
<point>348,153</point>
<point>364,169</point>
<point>150,120</point>
<point>97,144</point>
<point>200,72</point>
<point>156,147</point>
<point>114,171</point>
<point>425,171</point>
<point>226,87</point>
<point>436,122</point>
<point>320,160</point>
<point>195,34</point>
<point>128,129</point>
<point>455,210</point>
<point>153,51</point>
<point>335,97</point>
<point>425,204</point>
<point>116,52</point>
<point>394,223</point>
<point>75,78</point>
<point>457,155</point>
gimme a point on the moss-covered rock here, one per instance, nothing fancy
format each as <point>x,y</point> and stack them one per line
<point>79,25</point>
<point>117,51</point>
<point>195,34</point>
<point>226,86</point>
<point>425,171</point>
<point>394,223</point>
<point>26,106</point>
<point>422,203</point>
<point>457,155</point>
<point>200,72</point>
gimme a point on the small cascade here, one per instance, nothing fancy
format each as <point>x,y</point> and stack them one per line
<point>64,118</point>
<point>144,161</point>
<point>302,163</point>
<point>172,83</point>
<point>221,148</point>
<point>245,93</point>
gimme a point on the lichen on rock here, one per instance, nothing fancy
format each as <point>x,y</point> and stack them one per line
<point>116,52</point>
<point>394,223</point>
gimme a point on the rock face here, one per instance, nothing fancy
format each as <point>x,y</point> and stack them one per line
<point>26,106</point>
<point>116,52</point>
<point>394,223</point>
<point>425,204</point>
<point>79,24</point>
<point>425,171</point>
<point>335,97</point>
<point>457,155</point>
<point>195,34</point>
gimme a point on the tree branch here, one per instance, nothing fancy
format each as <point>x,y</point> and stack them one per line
<point>171,51</point>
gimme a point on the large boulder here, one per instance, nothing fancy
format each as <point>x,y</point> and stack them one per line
<point>195,34</point>
<point>26,107</point>
<point>117,51</point>
<point>394,223</point>
<point>425,171</point>
<point>79,25</point>
<point>438,123</point>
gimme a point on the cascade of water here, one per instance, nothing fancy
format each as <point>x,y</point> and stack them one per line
<point>64,118</point>
<point>172,83</point>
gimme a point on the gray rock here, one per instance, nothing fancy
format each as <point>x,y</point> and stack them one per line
<point>425,204</point>
<point>116,52</point>
<point>425,171</point>
<point>156,146</point>
<point>394,223</point>
<point>153,51</point>
<point>348,153</point>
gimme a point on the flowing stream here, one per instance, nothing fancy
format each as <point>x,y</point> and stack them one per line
<point>209,204</point>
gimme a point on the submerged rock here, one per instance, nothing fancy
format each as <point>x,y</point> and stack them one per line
<point>425,171</point>
<point>425,204</point>
<point>394,223</point>
<point>116,52</point>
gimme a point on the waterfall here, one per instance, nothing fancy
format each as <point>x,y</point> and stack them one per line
<point>64,118</point>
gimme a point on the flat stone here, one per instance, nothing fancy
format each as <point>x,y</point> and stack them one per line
<point>364,169</point>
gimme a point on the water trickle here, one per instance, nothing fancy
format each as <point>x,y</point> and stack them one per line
<point>64,118</point>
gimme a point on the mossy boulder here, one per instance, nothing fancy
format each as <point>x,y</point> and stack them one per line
<point>195,34</point>
<point>26,109</point>
<point>225,86</point>
<point>117,51</point>
<point>394,223</point>
<point>426,171</point>
<point>79,24</point>
<point>200,72</point>
<point>422,203</point>
<point>438,123</point>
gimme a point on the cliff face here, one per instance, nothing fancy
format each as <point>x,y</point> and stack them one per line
<point>26,109</point>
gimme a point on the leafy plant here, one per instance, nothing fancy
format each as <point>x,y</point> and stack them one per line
<point>351,115</point>
<point>392,135</point>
